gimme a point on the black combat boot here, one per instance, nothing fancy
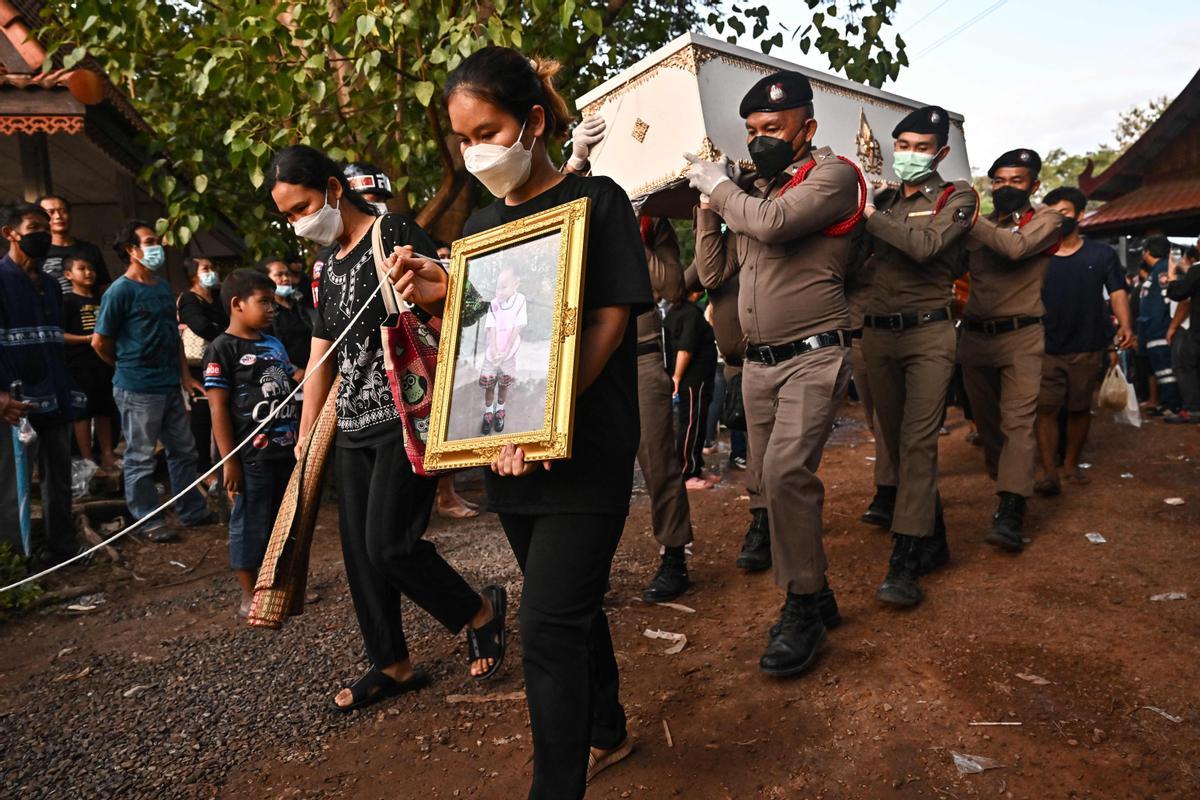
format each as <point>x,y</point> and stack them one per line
<point>756,549</point>
<point>900,587</point>
<point>671,580</point>
<point>883,505</point>
<point>1007,523</point>
<point>826,605</point>
<point>934,551</point>
<point>796,644</point>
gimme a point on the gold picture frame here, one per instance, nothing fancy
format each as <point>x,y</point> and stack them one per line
<point>510,265</point>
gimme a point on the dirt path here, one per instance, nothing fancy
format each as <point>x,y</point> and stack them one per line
<point>1062,639</point>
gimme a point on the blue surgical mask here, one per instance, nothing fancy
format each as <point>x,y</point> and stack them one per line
<point>153,256</point>
<point>285,291</point>
<point>209,280</point>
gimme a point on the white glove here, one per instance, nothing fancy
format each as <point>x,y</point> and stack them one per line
<point>587,135</point>
<point>704,176</point>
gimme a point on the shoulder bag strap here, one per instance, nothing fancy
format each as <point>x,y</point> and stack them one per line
<point>390,303</point>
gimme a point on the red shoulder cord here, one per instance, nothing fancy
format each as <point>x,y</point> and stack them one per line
<point>647,229</point>
<point>1024,220</point>
<point>943,198</point>
<point>846,225</point>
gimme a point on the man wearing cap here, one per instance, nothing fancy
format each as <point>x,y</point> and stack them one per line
<point>917,235</point>
<point>369,181</point>
<point>795,233</point>
<point>670,514</point>
<point>1002,344</point>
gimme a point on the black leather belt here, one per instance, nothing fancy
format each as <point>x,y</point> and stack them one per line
<point>905,319</point>
<point>1007,325</point>
<point>646,348</point>
<point>773,354</point>
<point>856,333</point>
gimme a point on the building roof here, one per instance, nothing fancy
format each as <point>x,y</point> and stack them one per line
<point>1171,206</point>
<point>1127,172</point>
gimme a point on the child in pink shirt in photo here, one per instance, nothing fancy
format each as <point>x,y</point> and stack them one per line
<point>506,318</point>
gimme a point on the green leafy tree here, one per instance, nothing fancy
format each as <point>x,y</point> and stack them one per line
<point>225,84</point>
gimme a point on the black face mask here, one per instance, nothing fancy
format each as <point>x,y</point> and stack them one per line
<point>36,244</point>
<point>1009,199</point>
<point>770,155</point>
<point>1069,225</point>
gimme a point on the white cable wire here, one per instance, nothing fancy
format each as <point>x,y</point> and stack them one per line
<point>278,408</point>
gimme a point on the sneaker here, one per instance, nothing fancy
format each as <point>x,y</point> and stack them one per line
<point>737,462</point>
<point>498,421</point>
<point>486,427</point>
<point>1183,418</point>
<point>162,535</point>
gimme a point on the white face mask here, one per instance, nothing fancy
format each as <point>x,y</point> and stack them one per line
<point>323,226</point>
<point>381,208</point>
<point>500,169</point>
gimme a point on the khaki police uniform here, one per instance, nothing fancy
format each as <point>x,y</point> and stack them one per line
<point>858,293</point>
<point>715,270</point>
<point>792,298</point>
<point>908,335</point>
<point>1002,341</point>
<point>670,514</point>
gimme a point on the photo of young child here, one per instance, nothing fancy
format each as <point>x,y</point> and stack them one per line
<point>506,318</point>
<point>500,374</point>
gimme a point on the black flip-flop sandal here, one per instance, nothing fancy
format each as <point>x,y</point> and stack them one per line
<point>490,640</point>
<point>376,685</point>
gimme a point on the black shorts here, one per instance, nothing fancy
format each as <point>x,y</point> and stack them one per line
<point>95,381</point>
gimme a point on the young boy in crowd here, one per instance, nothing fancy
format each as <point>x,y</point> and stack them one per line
<point>90,375</point>
<point>692,354</point>
<point>247,375</point>
<point>507,316</point>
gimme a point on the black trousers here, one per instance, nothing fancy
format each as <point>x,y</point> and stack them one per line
<point>383,510</point>
<point>695,396</point>
<point>571,680</point>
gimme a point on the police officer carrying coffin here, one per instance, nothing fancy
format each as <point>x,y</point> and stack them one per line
<point>670,514</point>
<point>1003,343</point>
<point>793,245</point>
<point>917,237</point>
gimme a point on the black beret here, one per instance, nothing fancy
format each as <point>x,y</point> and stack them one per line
<point>930,119</point>
<point>777,92</point>
<point>1021,157</point>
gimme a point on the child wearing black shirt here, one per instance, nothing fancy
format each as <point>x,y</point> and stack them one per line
<point>247,375</point>
<point>89,374</point>
<point>692,355</point>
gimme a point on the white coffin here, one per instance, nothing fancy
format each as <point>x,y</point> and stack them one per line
<point>684,97</point>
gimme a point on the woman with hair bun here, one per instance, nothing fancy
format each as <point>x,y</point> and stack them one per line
<point>563,520</point>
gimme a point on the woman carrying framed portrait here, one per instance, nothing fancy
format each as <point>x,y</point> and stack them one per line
<point>383,506</point>
<point>563,519</point>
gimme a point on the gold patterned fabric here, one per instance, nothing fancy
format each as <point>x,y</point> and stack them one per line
<point>279,592</point>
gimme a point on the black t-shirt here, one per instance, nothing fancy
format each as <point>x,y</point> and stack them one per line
<point>293,326</point>
<point>79,318</point>
<point>258,376</point>
<point>1076,313</point>
<point>53,264</point>
<point>687,329</point>
<point>598,478</point>
<point>366,412</point>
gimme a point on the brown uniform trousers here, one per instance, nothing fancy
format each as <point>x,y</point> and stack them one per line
<point>1002,372</point>
<point>791,286</point>
<point>670,513</point>
<point>858,290</point>
<point>916,255</point>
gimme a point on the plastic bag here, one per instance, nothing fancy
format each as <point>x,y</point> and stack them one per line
<point>1112,389</point>
<point>82,472</point>
<point>1130,414</point>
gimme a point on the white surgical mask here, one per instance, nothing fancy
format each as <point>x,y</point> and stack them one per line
<point>381,207</point>
<point>209,279</point>
<point>500,169</point>
<point>323,226</point>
